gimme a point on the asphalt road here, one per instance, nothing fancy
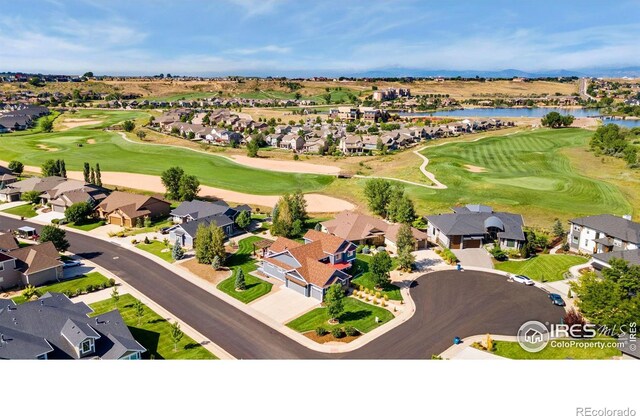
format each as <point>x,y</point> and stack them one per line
<point>448,304</point>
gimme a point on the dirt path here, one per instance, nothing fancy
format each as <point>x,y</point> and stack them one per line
<point>258,163</point>
<point>316,203</point>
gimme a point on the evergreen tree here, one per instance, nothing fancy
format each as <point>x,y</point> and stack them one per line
<point>85,172</point>
<point>405,239</point>
<point>63,168</point>
<point>380,267</point>
<point>216,263</point>
<point>98,175</point>
<point>558,230</point>
<point>240,283</point>
<point>92,177</point>
<point>243,219</point>
<point>406,260</point>
<point>177,253</point>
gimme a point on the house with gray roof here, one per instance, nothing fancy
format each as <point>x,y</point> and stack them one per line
<point>185,233</point>
<point>54,327</point>
<point>471,226</point>
<point>604,237</point>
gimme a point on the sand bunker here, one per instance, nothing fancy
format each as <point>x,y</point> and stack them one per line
<point>475,169</point>
<point>78,122</point>
<point>91,141</point>
<point>285,165</point>
<point>47,148</point>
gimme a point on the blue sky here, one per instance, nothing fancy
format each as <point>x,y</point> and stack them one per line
<point>272,37</point>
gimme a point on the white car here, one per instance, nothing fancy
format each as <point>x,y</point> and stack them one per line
<point>71,263</point>
<point>519,278</point>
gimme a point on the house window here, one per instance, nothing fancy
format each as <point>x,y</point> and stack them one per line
<point>86,346</point>
<point>575,239</point>
<point>511,243</point>
<point>1,266</point>
<point>351,253</point>
<point>576,228</point>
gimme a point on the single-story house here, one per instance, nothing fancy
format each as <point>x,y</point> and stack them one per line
<point>54,327</point>
<point>195,209</point>
<point>472,226</point>
<point>603,233</point>
<point>366,230</point>
<point>124,209</point>
<point>33,265</point>
<point>185,233</point>
<point>309,268</point>
<point>13,191</point>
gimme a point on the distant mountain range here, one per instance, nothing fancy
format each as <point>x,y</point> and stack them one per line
<point>505,73</point>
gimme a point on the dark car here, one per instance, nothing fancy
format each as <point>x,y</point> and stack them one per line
<point>556,299</point>
<point>165,230</point>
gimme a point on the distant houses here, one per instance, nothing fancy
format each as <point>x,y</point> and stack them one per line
<point>21,117</point>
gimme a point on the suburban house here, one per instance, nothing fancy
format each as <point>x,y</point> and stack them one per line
<point>604,237</point>
<point>13,191</point>
<point>124,209</point>
<point>70,191</point>
<point>309,268</point>
<point>194,210</point>
<point>472,226</point>
<point>21,118</point>
<point>366,230</point>
<point>8,242</point>
<point>351,144</point>
<point>6,177</point>
<point>54,327</point>
<point>32,265</point>
<point>189,215</point>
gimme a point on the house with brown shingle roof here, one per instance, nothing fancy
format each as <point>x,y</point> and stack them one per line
<point>33,265</point>
<point>309,268</point>
<point>124,209</point>
<point>370,231</point>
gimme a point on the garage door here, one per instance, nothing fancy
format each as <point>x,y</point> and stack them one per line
<point>300,289</point>
<point>114,219</point>
<point>472,244</point>
<point>316,293</point>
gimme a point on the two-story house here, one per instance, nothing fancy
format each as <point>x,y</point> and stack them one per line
<point>312,267</point>
<point>605,236</point>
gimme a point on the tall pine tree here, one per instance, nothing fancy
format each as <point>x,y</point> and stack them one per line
<point>85,172</point>
<point>98,175</point>
<point>92,177</point>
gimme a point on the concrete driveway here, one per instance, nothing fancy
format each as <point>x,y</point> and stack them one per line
<point>474,257</point>
<point>284,305</point>
<point>428,260</point>
<point>48,216</point>
<point>71,272</point>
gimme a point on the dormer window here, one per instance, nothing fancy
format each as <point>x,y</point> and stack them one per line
<point>87,346</point>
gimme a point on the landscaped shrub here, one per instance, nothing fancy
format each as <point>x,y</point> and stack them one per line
<point>360,288</point>
<point>375,301</point>
<point>355,292</point>
<point>146,240</point>
<point>78,292</point>
<point>365,250</point>
<point>337,332</point>
<point>448,256</point>
<point>134,241</point>
<point>386,297</point>
<point>68,293</point>
<point>513,253</point>
<point>498,253</point>
<point>378,295</point>
<point>321,331</point>
<point>351,331</point>
<point>101,286</point>
<point>55,221</point>
<point>383,303</point>
<point>147,222</point>
<point>90,288</point>
<point>111,282</point>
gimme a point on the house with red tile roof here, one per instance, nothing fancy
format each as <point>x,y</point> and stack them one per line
<point>309,268</point>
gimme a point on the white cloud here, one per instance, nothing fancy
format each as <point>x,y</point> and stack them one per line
<point>263,49</point>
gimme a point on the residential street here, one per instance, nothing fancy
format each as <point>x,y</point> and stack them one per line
<point>448,304</point>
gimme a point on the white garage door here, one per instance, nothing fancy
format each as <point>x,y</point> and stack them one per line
<point>300,289</point>
<point>316,293</point>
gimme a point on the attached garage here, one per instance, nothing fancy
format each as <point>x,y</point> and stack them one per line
<point>57,208</point>
<point>472,243</point>
<point>317,293</point>
<point>293,285</point>
<point>115,220</point>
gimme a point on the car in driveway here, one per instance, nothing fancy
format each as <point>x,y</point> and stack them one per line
<point>520,278</point>
<point>556,299</point>
<point>71,263</point>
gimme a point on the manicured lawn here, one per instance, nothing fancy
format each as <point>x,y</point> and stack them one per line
<point>26,211</point>
<point>156,248</point>
<point>358,314</point>
<point>361,265</point>
<point>117,155</point>
<point>92,224</point>
<point>242,259</point>
<point>549,266</point>
<point>153,332</point>
<point>156,225</point>
<point>514,351</point>
<point>80,282</point>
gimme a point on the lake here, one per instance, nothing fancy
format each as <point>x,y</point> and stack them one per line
<point>520,112</point>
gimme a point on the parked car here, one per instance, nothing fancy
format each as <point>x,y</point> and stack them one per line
<point>520,278</point>
<point>71,263</point>
<point>556,299</point>
<point>165,230</point>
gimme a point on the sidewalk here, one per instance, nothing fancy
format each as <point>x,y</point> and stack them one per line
<point>459,352</point>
